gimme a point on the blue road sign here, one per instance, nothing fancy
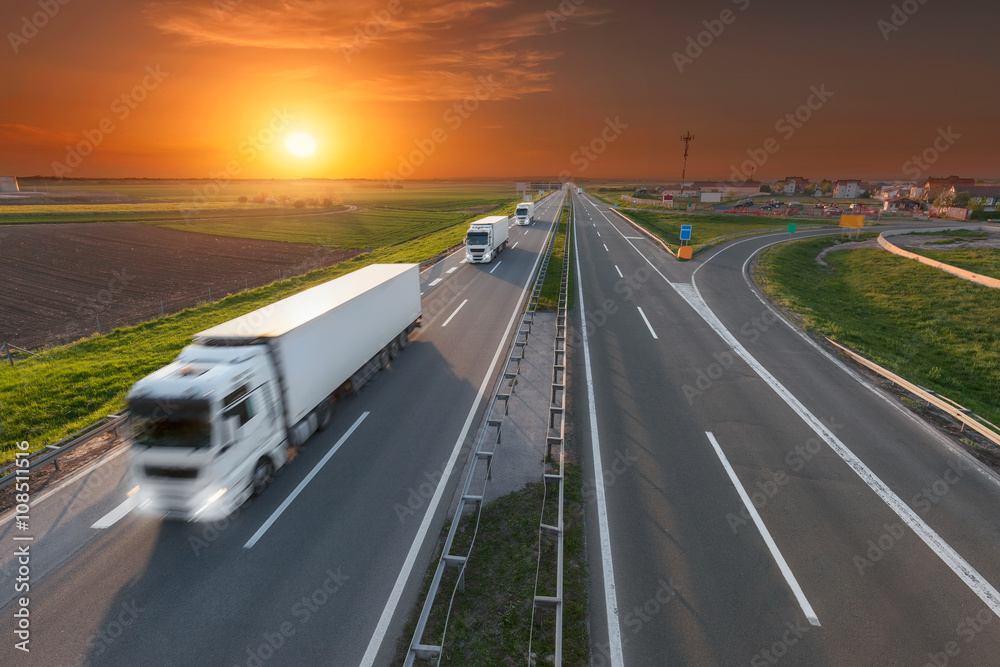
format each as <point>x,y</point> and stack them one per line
<point>685,232</point>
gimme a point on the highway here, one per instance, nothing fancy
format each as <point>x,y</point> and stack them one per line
<point>324,566</point>
<point>750,500</point>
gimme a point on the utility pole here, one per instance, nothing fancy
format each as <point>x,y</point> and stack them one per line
<point>687,139</point>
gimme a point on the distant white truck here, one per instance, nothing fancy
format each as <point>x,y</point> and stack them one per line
<point>486,239</point>
<point>525,213</point>
<point>210,428</point>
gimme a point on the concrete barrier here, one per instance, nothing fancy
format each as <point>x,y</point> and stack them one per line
<point>948,268</point>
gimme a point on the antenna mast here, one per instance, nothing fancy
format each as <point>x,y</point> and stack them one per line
<point>687,139</point>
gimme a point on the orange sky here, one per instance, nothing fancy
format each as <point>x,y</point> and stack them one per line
<point>196,88</point>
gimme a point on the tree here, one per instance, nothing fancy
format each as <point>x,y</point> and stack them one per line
<point>765,188</point>
<point>945,199</point>
<point>962,199</point>
<point>976,203</point>
<point>243,199</point>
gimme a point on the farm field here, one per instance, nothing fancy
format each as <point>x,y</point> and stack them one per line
<point>64,280</point>
<point>60,280</point>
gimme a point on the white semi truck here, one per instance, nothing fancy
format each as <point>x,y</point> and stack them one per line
<point>525,213</point>
<point>486,239</point>
<point>210,428</point>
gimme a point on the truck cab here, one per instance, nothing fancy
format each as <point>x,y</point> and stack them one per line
<point>207,432</point>
<point>524,214</point>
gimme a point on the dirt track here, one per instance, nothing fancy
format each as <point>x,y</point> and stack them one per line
<point>57,280</point>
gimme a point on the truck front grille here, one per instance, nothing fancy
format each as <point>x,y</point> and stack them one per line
<point>173,473</point>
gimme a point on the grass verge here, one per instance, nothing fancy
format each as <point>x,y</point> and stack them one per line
<point>934,329</point>
<point>490,620</point>
<point>984,261</point>
<point>549,298</point>
<point>45,398</point>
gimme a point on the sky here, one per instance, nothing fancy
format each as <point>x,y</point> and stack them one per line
<point>575,89</point>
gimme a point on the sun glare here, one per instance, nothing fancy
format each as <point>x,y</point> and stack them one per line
<point>300,144</point>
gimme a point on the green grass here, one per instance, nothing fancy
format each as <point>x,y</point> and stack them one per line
<point>705,227</point>
<point>490,621</point>
<point>984,261</point>
<point>549,298</point>
<point>934,329</point>
<point>964,234</point>
<point>45,398</point>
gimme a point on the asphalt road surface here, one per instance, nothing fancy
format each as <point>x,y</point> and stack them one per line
<point>330,579</point>
<point>751,500</point>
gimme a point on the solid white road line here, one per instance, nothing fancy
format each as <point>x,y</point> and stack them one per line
<point>978,584</point>
<point>455,313</point>
<point>116,515</point>
<point>607,567</point>
<point>375,643</point>
<point>619,271</point>
<point>435,282</point>
<point>650,326</point>
<point>495,267</point>
<point>775,553</point>
<point>308,478</point>
<point>452,269</point>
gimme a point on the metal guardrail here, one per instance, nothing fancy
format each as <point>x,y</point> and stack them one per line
<point>485,451</point>
<point>52,453</point>
<point>556,437</point>
<point>964,415</point>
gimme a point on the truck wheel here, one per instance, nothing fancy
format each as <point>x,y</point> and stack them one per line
<point>324,416</point>
<point>394,348</point>
<point>262,475</point>
<point>383,359</point>
<point>403,340</point>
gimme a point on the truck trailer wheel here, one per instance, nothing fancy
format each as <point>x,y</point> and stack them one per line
<point>394,348</point>
<point>383,359</point>
<point>324,415</point>
<point>262,475</point>
<point>403,340</point>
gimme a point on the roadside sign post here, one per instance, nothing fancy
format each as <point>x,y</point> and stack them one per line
<point>791,229</point>
<point>849,223</point>
<point>685,252</point>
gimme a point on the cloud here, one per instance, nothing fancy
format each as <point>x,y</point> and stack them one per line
<point>426,49</point>
<point>29,136</point>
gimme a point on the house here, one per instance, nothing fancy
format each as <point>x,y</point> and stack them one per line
<point>887,192</point>
<point>900,204</point>
<point>990,194</point>
<point>935,186</point>
<point>795,185</point>
<point>916,192</point>
<point>847,189</point>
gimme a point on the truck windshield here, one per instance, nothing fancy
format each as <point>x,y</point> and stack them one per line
<point>478,238</point>
<point>522,210</point>
<point>165,423</point>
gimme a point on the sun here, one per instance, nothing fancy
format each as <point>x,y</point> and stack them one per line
<point>300,144</point>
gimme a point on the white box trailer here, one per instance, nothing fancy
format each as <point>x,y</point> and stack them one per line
<point>486,239</point>
<point>210,428</point>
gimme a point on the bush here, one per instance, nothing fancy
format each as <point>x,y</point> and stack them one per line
<point>261,197</point>
<point>299,203</point>
<point>243,199</point>
<point>327,202</point>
